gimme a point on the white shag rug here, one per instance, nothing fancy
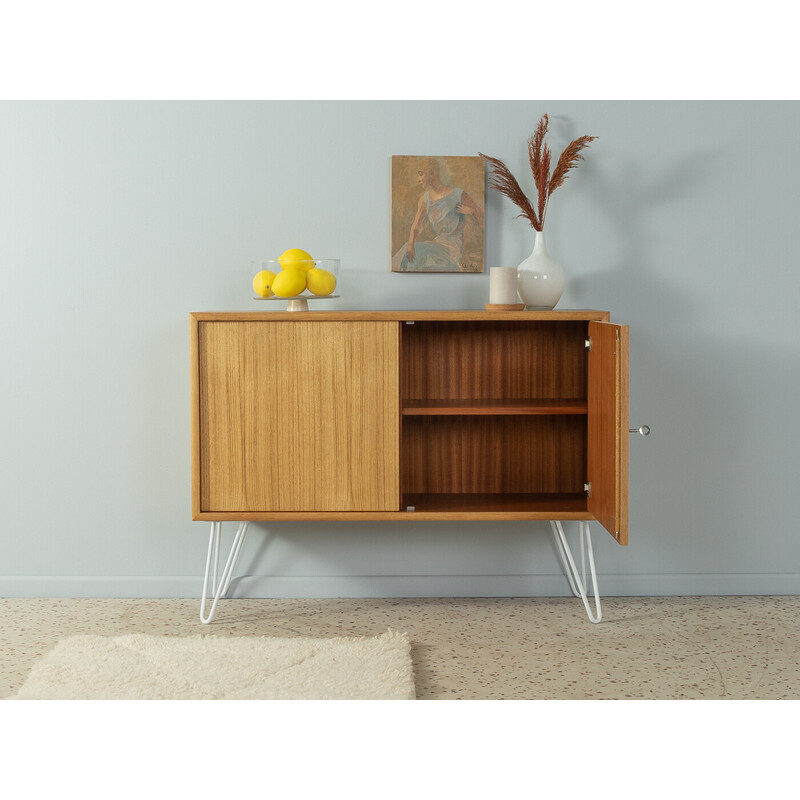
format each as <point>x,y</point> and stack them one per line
<point>139,667</point>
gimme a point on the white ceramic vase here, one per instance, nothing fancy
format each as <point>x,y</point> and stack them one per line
<point>540,278</point>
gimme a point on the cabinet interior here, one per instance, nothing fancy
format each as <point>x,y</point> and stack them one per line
<point>493,415</point>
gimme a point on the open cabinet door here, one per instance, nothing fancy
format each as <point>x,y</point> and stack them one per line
<point>607,454</point>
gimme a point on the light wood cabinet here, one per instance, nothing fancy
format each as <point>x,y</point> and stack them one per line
<point>410,415</point>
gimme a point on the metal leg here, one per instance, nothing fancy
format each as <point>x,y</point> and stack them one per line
<point>577,583</point>
<point>219,587</point>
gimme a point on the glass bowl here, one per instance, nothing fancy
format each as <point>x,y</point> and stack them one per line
<point>322,285</point>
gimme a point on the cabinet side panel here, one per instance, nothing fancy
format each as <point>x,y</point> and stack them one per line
<point>194,405</point>
<point>299,416</point>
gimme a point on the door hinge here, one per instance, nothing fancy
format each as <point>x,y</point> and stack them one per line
<point>587,487</point>
<point>588,344</point>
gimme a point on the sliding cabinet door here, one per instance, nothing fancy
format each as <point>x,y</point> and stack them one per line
<point>297,416</point>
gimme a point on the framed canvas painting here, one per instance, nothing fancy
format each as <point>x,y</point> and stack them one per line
<point>437,213</point>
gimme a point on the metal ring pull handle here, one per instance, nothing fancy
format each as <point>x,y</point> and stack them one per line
<point>644,430</point>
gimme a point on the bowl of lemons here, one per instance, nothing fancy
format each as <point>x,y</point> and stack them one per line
<point>296,277</point>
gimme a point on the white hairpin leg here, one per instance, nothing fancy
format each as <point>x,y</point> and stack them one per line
<point>577,583</point>
<point>219,587</point>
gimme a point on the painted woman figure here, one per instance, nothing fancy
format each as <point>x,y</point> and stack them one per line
<point>447,208</point>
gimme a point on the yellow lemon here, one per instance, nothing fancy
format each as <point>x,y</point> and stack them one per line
<point>262,283</point>
<point>296,259</point>
<point>320,281</point>
<point>289,282</point>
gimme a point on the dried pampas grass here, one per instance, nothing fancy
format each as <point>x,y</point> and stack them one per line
<point>540,157</point>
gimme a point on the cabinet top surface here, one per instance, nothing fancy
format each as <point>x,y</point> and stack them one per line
<point>473,315</point>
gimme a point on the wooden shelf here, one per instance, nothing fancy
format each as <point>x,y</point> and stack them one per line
<point>492,503</point>
<point>492,407</point>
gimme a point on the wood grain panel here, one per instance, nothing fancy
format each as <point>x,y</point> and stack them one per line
<point>503,360</point>
<point>298,416</point>
<point>477,455</point>
<point>607,455</point>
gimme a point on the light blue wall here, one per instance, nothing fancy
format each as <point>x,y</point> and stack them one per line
<point>118,219</point>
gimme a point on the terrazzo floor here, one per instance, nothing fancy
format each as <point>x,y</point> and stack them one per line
<point>480,648</point>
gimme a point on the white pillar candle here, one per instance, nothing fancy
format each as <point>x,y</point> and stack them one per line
<point>503,285</point>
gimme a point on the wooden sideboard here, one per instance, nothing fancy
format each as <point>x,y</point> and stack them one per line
<point>410,415</point>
